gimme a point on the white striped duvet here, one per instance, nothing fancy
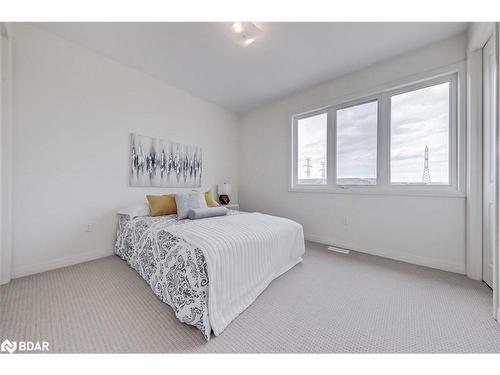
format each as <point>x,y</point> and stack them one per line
<point>244,253</point>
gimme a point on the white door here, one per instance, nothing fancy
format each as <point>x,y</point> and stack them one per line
<point>489,161</point>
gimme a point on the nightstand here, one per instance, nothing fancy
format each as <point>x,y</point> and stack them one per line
<point>231,206</point>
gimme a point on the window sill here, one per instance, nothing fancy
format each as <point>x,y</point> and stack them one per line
<point>365,190</point>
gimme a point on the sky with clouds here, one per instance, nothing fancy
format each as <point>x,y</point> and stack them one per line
<point>312,145</point>
<point>357,141</point>
<point>418,118</point>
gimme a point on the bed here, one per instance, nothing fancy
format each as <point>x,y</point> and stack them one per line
<point>209,270</point>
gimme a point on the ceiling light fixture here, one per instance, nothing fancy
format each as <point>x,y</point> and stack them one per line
<point>245,32</point>
<point>238,27</point>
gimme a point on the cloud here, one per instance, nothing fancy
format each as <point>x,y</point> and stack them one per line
<point>357,141</point>
<point>420,118</point>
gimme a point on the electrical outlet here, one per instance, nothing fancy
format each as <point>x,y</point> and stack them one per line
<point>90,227</point>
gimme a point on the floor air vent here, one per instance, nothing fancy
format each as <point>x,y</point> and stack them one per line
<point>339,249</point>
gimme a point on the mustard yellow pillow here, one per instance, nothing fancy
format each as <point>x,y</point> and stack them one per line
<point>209,197</point>
<point>160,205</point>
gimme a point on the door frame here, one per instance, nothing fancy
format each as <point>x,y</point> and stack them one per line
<point>479,34</point>
<point>496,264</point>
<point>5,154</point>
<point>490,161</point>
<point>474,202</point>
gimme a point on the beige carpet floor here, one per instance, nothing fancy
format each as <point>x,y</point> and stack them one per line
<point>330,303</point>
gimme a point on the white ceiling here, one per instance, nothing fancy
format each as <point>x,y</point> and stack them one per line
<point>203,59</point>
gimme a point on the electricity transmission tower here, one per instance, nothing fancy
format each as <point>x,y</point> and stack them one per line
<point>426,177</point>
<point>308,167</point>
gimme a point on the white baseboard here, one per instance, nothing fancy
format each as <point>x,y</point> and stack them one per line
<point>91,255</point>
<point>414,259</point>
<point>31,269</point>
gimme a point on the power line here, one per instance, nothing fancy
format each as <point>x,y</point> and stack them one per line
<point>323,170</point>
<point>426,177</point>
<point>308,167</point>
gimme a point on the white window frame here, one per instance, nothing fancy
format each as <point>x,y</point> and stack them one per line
<point>454,75</point>
<point>295,151</point>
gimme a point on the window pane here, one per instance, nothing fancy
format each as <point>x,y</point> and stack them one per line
<point>420,126</point>
<point>357,145</point>
<point>311,164</point>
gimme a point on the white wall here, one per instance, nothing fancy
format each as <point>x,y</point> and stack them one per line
<point>423,230</point>
<point>74,110</point>
<point>73,113</point>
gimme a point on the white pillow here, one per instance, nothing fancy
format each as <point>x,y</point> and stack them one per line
<point>135,210</point>
<point>186,202</point>
<point>202,213</point>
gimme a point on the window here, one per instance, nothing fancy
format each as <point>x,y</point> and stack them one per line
<point>420,132</point>
<point>357,144</point>
<point>402,140</point>
<point>312,135</point>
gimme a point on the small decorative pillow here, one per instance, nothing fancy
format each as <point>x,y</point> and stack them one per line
<point>135,210</point>
<point>201,213</point>
<point>185,202</point>
<point>161,205</point>
<point>209,197</point>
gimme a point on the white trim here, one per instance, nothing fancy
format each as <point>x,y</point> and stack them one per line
<point>455,74</point>
<point>474,215</point>
<point>6,159</point>
<point>408,258</point>
<point>478,34</point>
<point>371,190</point>
<point>31,269</point>
<point>496,252</point>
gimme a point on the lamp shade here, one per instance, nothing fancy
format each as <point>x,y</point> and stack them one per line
<point>224,189</point>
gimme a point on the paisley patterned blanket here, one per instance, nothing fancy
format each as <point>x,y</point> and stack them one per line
<point>175,269</point>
